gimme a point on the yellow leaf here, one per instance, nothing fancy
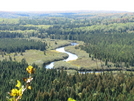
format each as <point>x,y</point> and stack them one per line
<point>71,99</point>
<point>30,69</point>
<point>18,84</point>
<point>14,92</point>
<point>29,87</point>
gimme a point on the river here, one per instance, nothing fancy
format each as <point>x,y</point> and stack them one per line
<point>71,56</point>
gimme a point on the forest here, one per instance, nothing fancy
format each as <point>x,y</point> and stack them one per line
<point>108,37</point>
<point>53,85</point>
<point>20,45</point>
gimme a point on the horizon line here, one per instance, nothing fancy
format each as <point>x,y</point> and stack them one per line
<point>68,11</point>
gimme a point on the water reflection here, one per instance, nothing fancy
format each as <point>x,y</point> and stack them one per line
<point>81,72</point>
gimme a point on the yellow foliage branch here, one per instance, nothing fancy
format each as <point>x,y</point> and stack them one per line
<point>17,92</point>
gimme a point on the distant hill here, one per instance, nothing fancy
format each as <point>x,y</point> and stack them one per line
<point>12,14</point>
<point>43,14</point>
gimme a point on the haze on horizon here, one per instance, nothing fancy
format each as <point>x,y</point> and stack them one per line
<point>66,5</point>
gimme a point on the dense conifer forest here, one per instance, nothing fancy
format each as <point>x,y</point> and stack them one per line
<point>20,45</point>
<point>107,36</point>
<point>53,85</point>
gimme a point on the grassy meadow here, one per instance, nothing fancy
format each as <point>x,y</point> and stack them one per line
<point>36,56</point>
<point>54,43</point>
<point>40,57</point>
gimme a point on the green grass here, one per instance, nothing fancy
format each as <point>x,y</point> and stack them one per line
<point>64,65</point>
<point>54,43</point>
<point>36,56</point>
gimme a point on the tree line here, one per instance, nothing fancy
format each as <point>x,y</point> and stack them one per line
<point>20,45</point>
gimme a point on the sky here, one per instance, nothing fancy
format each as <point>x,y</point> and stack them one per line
<point>66,5</point>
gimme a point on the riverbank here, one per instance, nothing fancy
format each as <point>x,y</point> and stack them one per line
<point>84,62</point>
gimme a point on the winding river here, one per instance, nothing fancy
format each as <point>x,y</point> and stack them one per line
<point>71,56</point>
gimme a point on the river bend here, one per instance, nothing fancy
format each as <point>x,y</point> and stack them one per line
<point>71,56</point>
